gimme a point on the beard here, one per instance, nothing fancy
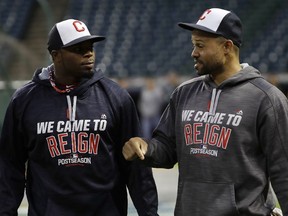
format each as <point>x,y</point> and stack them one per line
<point>212,67</point>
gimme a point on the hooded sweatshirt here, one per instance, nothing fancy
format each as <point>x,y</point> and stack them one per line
<point>72,143</point>
<point>229,141</point>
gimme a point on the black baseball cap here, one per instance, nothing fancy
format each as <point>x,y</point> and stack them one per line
<point>69,32</point>
<point>220,22</point>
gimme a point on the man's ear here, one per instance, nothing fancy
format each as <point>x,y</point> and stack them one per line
<point>228,46</point>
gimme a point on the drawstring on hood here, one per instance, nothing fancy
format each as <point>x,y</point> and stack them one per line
<point>71,108</point>
<point>214,101</point>
<point>45,77</point>
<point>71,115</point>
<point>246,73</point>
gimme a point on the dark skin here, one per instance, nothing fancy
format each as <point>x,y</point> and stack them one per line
<point>74,63</point>
<point>214,55</point>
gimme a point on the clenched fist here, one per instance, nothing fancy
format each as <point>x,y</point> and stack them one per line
<point>135,148</point>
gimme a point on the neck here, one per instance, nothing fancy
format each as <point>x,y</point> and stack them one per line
<point>226,73</point>
<point>65,80</point>
<point>61,87</point>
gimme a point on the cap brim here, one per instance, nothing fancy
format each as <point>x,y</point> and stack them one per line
<point>192,26</point>
<point>94,38</point>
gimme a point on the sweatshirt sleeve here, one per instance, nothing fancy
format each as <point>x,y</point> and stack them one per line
<point>12,163</point>
<point>273,137</point>
<point>138,178</point>
<point>162,148</point>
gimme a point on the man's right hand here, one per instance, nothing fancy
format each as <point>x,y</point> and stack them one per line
<point>135,148</point>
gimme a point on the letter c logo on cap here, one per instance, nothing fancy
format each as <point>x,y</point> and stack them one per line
<point>202,17</point>
<point>78,26</point>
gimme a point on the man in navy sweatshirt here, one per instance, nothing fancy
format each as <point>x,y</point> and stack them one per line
<point>68,125</point>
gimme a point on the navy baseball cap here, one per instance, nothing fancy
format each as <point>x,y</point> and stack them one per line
<point>69,32</point>
<point>220,22</point>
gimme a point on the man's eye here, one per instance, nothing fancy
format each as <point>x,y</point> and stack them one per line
<point>80,49</point>
<point>76,49</point>
<point>199,45</point>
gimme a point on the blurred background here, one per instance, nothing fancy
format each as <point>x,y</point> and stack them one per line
<point>145,50</point>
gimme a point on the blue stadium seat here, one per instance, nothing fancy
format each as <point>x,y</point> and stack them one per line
<point>142,37</point>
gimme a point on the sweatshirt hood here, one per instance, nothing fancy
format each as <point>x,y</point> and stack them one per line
<point>41,76</point>
<point>245,74</point>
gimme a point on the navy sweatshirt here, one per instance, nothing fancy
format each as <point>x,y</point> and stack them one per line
<point>71,147</point>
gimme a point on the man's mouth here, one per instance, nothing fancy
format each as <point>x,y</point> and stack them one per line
<point>88,63</point>
<point>196,64</point>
